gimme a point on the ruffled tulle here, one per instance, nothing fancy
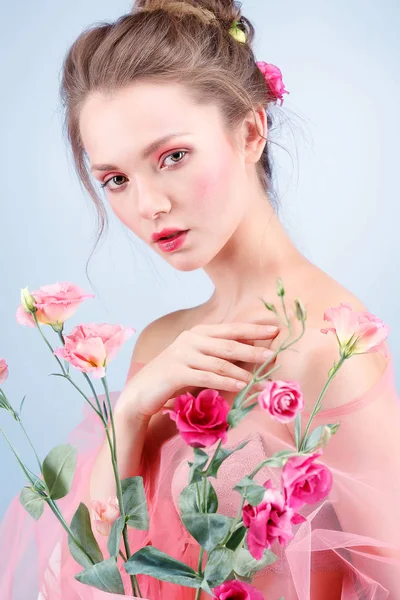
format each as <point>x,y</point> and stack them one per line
<point>348,548</point>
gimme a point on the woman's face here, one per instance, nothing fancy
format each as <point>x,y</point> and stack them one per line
<point>194,181</point>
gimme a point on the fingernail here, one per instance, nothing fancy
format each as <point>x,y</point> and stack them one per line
<point>267,353</point>
<point>272,328</point>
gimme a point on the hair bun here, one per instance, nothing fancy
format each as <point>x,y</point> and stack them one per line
<point>224,11</point>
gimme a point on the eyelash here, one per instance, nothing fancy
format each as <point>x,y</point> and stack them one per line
<point>105,184</point>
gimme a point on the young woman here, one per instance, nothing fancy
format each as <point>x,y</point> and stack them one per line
<point>168,111</point>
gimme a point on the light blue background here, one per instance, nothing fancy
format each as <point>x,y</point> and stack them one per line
<point>340,196</point>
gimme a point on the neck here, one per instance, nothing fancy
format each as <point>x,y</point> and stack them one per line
<point>249,265</point>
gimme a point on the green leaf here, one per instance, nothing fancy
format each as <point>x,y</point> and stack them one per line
<point>22,404</point>
<point>135,503</point>
<point>313,439</point>
<point>114,539</point>
<point>58,470</point>
<point>104,576</point>
<point>188,500</point>
<point>241,397</point>
<point>236,415</point>
<point>208,529</point>
<point>297,429</point>
<point>196,467</point>
<point>219,565</point>
<point>32,502</point>
<point>4,403</point>
<point>205,586</point>
<point>236,538</point>
<point>81,528</point>
<point>151,561</point>
<point>250,490</point>
<point>219,458</point>
<point>283,453</point>
<point>245,565</point>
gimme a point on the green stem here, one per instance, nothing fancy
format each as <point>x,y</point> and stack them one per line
<point>99,413</point>
<point>47,499</point>
<point>86,376</point>
<point>203,506</point>
<point>318,403</point>
<point>206,472</point>
<point>48,344</point>
<point>30,442</point>
<point>288,323</point>
<point>256,375</point>
<point>113,449</point>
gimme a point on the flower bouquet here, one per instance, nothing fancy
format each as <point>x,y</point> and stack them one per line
<point>231,549</point>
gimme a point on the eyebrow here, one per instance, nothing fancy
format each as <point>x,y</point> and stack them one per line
<point>145,154</point>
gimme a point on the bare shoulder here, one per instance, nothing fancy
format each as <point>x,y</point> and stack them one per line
<point>158,335</point>
<point>311,358</point>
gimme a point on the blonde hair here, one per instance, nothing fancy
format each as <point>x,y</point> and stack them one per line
<point>175,41</point>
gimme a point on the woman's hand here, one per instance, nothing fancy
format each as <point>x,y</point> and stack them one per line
<point>204,356</point>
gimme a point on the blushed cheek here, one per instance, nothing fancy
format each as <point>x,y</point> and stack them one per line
<point>125,213</point>
<point>213,183</point>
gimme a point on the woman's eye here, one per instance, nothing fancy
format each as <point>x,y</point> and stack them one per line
<point>176,154</point>
<point>176,158</point>
<point>106,183</point>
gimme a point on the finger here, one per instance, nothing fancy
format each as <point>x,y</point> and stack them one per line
<point>223,367</point>
<point>246,331</point>
<point>232,350</point>
<point>213,381</point>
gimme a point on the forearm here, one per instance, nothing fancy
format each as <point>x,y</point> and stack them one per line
<point>130,435</point>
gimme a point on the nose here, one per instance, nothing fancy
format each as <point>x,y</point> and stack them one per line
<point>150,201</point>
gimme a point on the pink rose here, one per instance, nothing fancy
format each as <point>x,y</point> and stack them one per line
<point>305,481</point>
<point>3,370</point>
<point>104,514</point>
<point>282,399</point>
<point>201,421</point>
<point>270,520</point>
<point>89,348</point>
<point>54,304</point>
<point>237,590</point>
<point>357,332</point>
<point>273,78</point>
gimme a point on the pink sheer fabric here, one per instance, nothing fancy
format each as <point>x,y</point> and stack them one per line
<point>348,548</point>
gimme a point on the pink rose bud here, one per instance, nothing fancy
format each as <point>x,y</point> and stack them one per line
<point>3,370</point>
<point>270,520</point>
<point>201,421</point>
<point>89,348</point>
<point>273,79</point>
<point>237,590</point>
<point>104,514</point>
<point>305,481</point>
<point>282,399</point>
<point>357,332</point>
<point>54,304</point>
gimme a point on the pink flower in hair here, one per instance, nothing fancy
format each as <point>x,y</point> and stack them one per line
<point>273,78</point>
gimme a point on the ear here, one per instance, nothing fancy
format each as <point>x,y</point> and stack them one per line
<point>254,124</point>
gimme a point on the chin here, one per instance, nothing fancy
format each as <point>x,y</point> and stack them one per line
<point>186,262</point>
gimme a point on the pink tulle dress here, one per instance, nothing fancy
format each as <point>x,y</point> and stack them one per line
<point>348,548</point>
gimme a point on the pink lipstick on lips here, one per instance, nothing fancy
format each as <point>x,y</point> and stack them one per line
<point>169,240</point>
